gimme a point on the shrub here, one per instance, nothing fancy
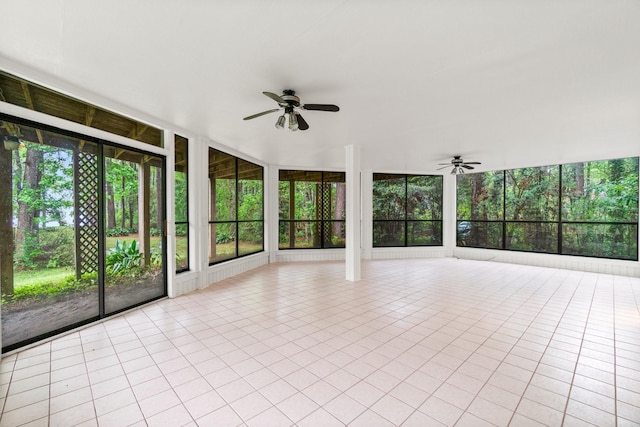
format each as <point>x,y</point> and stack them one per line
<point>123,256</point>
<point>156,255</point>
<point>57,247</point>
<point>117,232</point>
<point>30,252</point>
<point>224,236</point>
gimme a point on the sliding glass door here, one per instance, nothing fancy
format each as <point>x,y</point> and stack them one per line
<point>134,212</point>
<point>81,230</point>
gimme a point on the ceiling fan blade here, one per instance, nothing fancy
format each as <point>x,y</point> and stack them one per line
<point>275,97</point>
<point>472,163</point>
<point>321,107</point>
<point>261,114</point>
<point>464,165</point>
<point>447,164</point>
<point>302,123</point>
<point>444,167</point>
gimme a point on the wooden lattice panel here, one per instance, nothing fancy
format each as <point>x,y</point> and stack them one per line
<point>326,214</point>
<point>86,184</point>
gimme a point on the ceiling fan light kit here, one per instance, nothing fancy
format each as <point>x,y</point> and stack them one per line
<point>289,102</point>
<point>293,121</point>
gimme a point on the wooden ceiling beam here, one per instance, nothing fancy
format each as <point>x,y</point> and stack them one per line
<point>137,131</point>
<point>88,119</point>
<point>89,115</point>
<point>12,128</point>
<point>27,96</point>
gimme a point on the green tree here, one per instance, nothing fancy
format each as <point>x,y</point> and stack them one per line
<point>123,178</point>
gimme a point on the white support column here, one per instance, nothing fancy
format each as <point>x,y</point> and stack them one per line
<point>170,227</point>
<point>449,213</point>
<point>352,161</point>
<point>202,206</point>
<point>367,213</point>
<point>271,212</point>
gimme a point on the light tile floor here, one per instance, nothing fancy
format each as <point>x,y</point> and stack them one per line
<point>414,343</point>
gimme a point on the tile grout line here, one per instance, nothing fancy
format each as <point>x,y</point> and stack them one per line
<point>564,312</point>
<point>558,287</point>
<point>575,368</point>
<point>6,393</point>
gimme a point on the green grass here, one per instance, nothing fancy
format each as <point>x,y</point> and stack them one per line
<point>53,275</point>
<point>38,277</point>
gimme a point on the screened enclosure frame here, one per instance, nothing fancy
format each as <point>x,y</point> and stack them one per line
<point>407,219</point>
<point>179,141</point>
<point>558,225</point>
<point>323,224</point>
<point>231,169</point>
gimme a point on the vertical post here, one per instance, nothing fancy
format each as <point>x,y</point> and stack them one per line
<point>353,208</point>
<point>76,212</point>
<point>292,214</point>
<point>449,222</point>
<point>212,217</point>
<point>6,223</point>
<point>317,226</point>
<point>367,213</point>
<point>272,212</point>
<point>144,217</point>
<point>168,226</point>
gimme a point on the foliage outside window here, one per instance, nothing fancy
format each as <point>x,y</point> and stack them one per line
<point>311,209</point>
<point>236,191</point>
<point>181,196</point>
<point>586,209</point>
<point>407,210</point>
<point>80,226</point>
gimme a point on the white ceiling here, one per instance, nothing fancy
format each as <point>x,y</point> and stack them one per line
<point>508,83</point>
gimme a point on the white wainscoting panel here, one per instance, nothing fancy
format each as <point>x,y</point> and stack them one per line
<point>294,255</point>
<point>412,252</point>
<point>184,283</point>
<point>222,271</point>
<point>567,262</point>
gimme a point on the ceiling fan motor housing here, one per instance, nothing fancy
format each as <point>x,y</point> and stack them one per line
<point>290,97</point>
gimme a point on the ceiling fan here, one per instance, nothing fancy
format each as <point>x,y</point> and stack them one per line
<point>290,103</point>
<point>459,165</point>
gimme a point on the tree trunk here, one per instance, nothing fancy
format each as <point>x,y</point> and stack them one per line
<point>580,178</point>
<point>132,203</point>
<point>6,226</point>
<point>478,234</point>
<point>111,208</point>
<point>27,205</point>
<point>159,216</point>
<point>124,204</point>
